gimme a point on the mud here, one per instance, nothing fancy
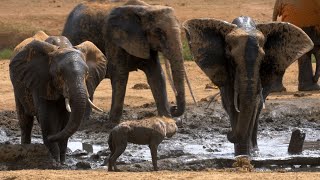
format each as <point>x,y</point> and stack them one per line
<point>200,143</point>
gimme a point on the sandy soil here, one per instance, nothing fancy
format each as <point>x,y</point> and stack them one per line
<point>20,19</point>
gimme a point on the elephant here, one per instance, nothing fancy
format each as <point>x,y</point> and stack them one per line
<point>243,59</point>
<point>54,81</point>
<point>306,15</point>
<point>131,36</point>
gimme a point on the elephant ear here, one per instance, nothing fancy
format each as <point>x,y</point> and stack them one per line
<point>96,62</point>
<point>40,35</point>
<point>206,39</point>
<point>30,67</point>
<point>284,43</point>
<point>124,28</point>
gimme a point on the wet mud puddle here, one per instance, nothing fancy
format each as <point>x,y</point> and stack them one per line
<point>273,145</point>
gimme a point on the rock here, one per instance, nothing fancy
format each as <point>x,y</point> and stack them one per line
<point>78,153</point>
<point>211,86</point>
<point>141,86</point>
<point>94,157</point>
<point>83,165</point>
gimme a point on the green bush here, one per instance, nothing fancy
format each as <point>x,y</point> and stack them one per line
<point>313,59</point>
<point>5,53</point>
<point>187,56</point>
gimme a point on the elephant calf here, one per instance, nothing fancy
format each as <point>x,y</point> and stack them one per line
<point>148,131</point>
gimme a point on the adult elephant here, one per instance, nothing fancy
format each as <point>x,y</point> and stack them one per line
<point>131,36</point>
<point>55,84</point>
<point>306,15</point>
<point>243,59</point>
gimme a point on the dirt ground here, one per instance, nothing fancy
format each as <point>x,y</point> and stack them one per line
<point>20,19</point>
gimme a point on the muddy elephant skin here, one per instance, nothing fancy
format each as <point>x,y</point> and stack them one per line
<point>306,15</point>
<point>54,82</point>
<point>243,59</point>
<point>131,36</point>
<point>149,132</point>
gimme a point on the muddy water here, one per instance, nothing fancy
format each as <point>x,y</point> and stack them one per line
<point>201,137</point>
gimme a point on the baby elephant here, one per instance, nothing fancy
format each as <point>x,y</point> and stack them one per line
<point>149,131</point>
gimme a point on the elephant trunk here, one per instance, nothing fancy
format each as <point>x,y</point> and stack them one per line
<point>246,113</point>
<point>174,55</point>
<point>78,99</point>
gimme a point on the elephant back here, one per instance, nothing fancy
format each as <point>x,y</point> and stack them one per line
<point>302,13</point>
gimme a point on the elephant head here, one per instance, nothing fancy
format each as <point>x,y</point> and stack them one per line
<point>52,72</point>
<point>243,59</point>
<point>142,30</point>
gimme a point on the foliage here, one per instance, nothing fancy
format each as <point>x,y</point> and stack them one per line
<point>5,53</point>
<point>187,56</point>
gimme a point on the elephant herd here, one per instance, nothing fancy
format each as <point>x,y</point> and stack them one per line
<point>54,77</point>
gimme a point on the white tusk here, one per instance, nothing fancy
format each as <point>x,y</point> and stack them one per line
<point>66,100</point>
<point>169,76</point>
<point>235,101</point>
<point>94,106</point>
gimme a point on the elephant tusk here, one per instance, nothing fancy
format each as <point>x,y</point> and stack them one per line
<point>94,106</point>
<point>166,63</point>
<point>67,102</point>
<point>235,101</point>
<point>261,96</point>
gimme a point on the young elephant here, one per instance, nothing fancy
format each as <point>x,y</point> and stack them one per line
<point>55,82</point>
<point>148,131</point>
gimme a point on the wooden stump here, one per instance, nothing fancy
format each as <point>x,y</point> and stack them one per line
<point>296,142</point>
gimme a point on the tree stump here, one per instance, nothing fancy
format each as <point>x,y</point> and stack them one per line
<point>296,142</point>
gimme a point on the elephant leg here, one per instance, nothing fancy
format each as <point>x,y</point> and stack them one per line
<point>154,151</point>
<point>63,150</point>
<point>306,74</point>
<point>25,123</point>
<point>49,124</point>
<point>156,81</point>
<point>317,56</point>
<point>254,143</point>
<point>242,148</point>
<point>119,79</point>
<point>63,144</point>
<point>277,86</point>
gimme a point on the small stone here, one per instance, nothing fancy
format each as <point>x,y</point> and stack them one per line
<point>83,165</point>
<point>141,86</point>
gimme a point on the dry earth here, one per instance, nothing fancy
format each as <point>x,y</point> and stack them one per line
<point>20,19</point>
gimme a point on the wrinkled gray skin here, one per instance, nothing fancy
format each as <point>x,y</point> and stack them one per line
<point>131,36</point>
<point>243,59</point>
<point>43,75</point>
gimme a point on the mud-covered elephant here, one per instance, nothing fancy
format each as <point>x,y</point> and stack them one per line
<point>55,81</point>
<point>131,36</point>
<point>306,15</point>
<point>243,59</point>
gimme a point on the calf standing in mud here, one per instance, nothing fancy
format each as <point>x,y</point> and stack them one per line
<point>149,131</point>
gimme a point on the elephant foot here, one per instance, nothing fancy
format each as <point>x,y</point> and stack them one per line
<point>241,149</point>
<point>278,88</point>
<point>309,87</point>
